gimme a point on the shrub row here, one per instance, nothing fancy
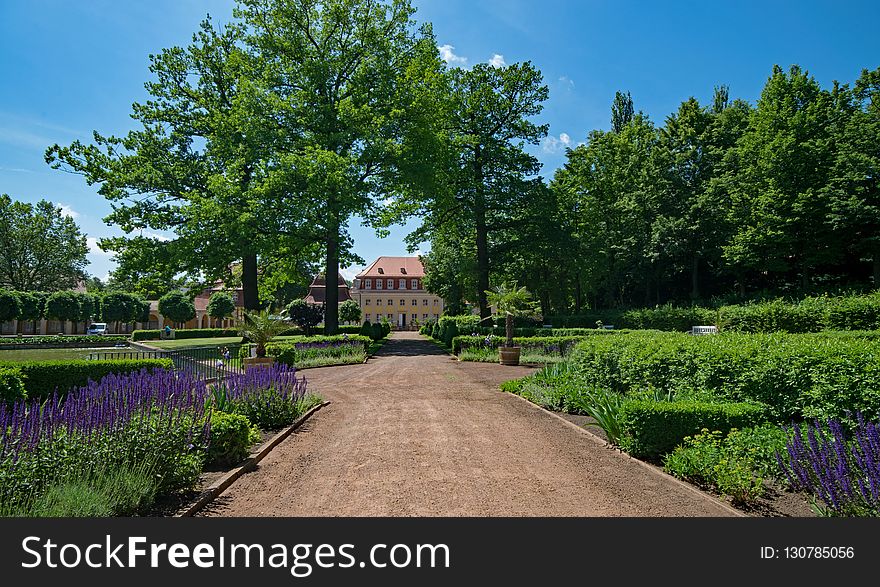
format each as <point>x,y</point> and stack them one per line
<point>288,351</point>
<point>185,333</point>
<point>42,378</point>
<point>61,341</point>
<point>549,344</point>
<point>813,314</point>
<point>796,375</point>
<point>376,331</point>
<point>650,429</point>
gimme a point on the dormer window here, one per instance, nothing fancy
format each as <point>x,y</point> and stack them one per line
<point>381,271</point>
<point>403,270</point>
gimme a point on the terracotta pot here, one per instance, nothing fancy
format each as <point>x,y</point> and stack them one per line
<point>250,362</point>
<point>508,355</point>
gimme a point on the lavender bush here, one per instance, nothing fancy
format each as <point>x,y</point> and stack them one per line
<point>150,416</point>
<point>270,397</point>
<point>840,469</point>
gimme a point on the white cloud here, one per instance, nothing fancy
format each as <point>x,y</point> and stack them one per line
<point>553,145</point>
<point>155,235</point>
<point>15,170</point>
<point>66,210</point>
<point>448,55</point>
<point>497,60</point>
<point>566,81</point>
<point>94,249</point>
<point>350,272</point>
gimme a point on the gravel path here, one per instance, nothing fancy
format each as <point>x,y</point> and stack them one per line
<point>413,432</point>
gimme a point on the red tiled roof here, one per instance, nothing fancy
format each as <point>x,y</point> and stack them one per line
<point>394,267</point>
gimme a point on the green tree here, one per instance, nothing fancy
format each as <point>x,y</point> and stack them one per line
<point>40,248</point>
<point>119,307</point>
<point>10,305</point>
<point>489,173</point>
<point>305,315</point>
<point>346,75</point>
<point>350,312</point>
<point>64,306</point>
<point>32,308</point>
<point>622,111</point>
<point>784,161</point>
<point>260,328</point>
<point>220,305</point>
<point>511,302</point>
<point>177,307</point>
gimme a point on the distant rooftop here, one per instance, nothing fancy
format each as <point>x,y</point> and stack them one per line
<point>394,267</point>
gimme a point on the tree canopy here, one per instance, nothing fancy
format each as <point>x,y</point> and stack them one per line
<point>40,247</point>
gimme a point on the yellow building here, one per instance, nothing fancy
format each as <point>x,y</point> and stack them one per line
<point>393,287</point>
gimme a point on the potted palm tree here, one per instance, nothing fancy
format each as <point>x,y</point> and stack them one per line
<point>259,328</point>
<point>512,302</point>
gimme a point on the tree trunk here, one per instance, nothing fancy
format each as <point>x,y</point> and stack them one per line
<point>250,294</point>
<point>695,278</point>
<point>508,326</point>
<point>482,237</point>
<point>331,273</point>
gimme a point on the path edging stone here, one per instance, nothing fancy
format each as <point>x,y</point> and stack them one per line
<point>218,487</point>
<point>647,466</point>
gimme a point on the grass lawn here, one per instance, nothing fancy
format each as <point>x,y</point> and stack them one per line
<point>19,355</point>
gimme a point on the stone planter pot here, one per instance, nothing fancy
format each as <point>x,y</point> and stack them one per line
<point>508,355</point>
<point>250,362</point>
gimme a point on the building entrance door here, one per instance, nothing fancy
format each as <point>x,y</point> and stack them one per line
<point>401,321</point>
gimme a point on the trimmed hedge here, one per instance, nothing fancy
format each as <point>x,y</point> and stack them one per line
<point>812,314</point>
<point>285,351</point>
<point>651,429</point>
<point>42,378</point>
<point>61,341</point>
<point>562,344</point>
<point>185,333</point>
<point>11,385</point>
<point>798,376</point>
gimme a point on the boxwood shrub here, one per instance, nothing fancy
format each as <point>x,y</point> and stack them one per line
<point>67,340</point>
<point>232,435</point>
<point>11,385</point>
<point>797,376</point>
<point>651,429</point>
<point>185,333</point>
<point>42,378</point>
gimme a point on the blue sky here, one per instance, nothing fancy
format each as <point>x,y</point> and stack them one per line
<point>67,68</point>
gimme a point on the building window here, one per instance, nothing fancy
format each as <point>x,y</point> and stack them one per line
<point>414,284</point>
<point>424,316</point>
<point>436,301</point>
<point>367,301</point>
<point>402,302</point>
<point>389,284</point>
<point>390,316</point>
<point>368,316</point>
<point>425,302</point>
<point>402,284</point>
<point>415,302</point>
<point>390,302</point>
<point>368,284</point>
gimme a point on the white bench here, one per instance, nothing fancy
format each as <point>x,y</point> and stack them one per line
<point>702,330</point>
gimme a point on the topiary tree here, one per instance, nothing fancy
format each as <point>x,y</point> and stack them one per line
<point>119,306</point>
<point>350,311</point>
<point>305,315</point>
<point>32,307</point>
<point>376,331</point>
<point>366,328</point>
<point>10,305</point>
<point>65,306</point>
<point>220,305</point>
<point>176,306</point>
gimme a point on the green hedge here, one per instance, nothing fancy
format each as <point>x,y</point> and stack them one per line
<point>798,376</point>
<point>650,429</point>
<point>11,385</point>
<point>562,344</point>
<point>812,314</point>
<point>42,378</point>
<point>232,435</point>
<point>185,333</point>
<point>61,341</point>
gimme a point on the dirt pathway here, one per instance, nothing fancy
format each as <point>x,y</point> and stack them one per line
<point>413,432</point>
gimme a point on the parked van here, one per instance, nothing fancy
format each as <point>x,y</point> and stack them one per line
<point>97,328</point>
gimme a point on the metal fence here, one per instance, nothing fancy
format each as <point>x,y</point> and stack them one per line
<point>198,362</point>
